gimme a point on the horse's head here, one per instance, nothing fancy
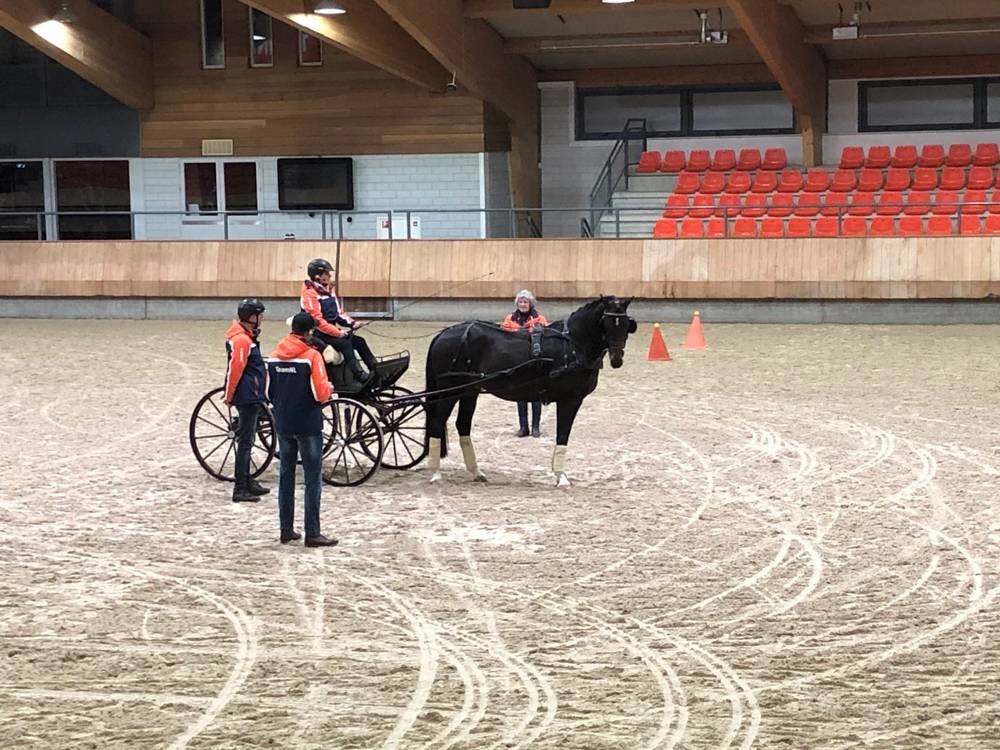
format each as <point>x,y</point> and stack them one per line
<point>616,325</point>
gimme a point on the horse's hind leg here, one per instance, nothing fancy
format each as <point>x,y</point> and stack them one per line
<point>438,412</point>
<point>565,415</point>
<point>466,410</point>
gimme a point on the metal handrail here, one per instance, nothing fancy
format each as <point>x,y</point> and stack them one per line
<point>609,177</point>
<point>585,228</point>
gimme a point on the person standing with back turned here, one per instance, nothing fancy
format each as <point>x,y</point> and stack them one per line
<point>298,387</point>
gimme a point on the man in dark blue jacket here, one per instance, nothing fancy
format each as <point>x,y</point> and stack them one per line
<point>245,380</point>
<point>298,387</point>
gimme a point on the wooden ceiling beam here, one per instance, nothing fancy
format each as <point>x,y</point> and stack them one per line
<point>366,32</point>
<point>532,45</point>
<point>96,46</point>
<point>498,8</point>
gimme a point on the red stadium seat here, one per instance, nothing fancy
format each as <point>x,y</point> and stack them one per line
<point>917,203</point>
<point>911,226</point>
<point>898,179</point>
<point>665,229</point>
<point>970,225</point>
<point>749,160</point>
<point>808,204</point>
<point>924,178</point>
<point>959,155</point>
<point>932,156</point>
<point>940,225</point>
<point>703,206</point>
<point>980,178</point>
<point>870,181</point>
<point>649,161</point>
<point>994,207</point>
<point>992,225</point>
<point>952,178</point>
<point>692,229</point>
<point>905,157</point>
<point>798,227</point>
<point>946,203</point>
<point>882,226</point>
<point>854,226</point>
<point>987,155</point>
<point>738,183</point>
<point>715,228</point>
<point>699,160</point>
<point>852,157</point>
<point>673,161</point>
<point>826,226</point>
<point>790,181</point>
<point>974,203</point>
<point>782,204</point>
<point>724,160</point>
<point>879,157</point>
<point>862,204</point>
<point>833,204</point>
<point>764,182</point>
<point>677,207</point>
<point>713,183</point>
<point>844,181</point>
<point>728,206</point>
<point>817,180</point>
<point>890,203</point>
<point>744,228</point>
<point>754,205</point>
<point>772,228</point>
<point>687,182</point>
<point>774,159</point>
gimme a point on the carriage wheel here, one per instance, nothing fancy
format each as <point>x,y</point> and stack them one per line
<point>405,427</point>
<point>353,443</point>
<point>212,432</point>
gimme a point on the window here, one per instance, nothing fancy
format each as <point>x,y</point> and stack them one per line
<point>993,104</point>
<point>261,40</point>
<point>240,181</point>
<point>933,104</point>
<point>601,113</point>
<point>310,50</point>
<point>213,48</point>
<point>201,187</point>
<point>21,192</point>
<point>201,191</point>
<point>91,191</point>
<point>316,184</point>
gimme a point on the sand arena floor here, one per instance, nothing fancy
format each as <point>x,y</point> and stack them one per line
<point>788,540</point>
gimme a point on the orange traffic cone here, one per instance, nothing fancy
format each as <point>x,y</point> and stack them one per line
<point>657,349</point>
<point>695,338</point>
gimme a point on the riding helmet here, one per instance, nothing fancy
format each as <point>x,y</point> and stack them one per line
<point>249,307</point>
<point>318,266</point>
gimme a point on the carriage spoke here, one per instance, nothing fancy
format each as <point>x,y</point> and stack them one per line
<point>221,443</point>
<point>224,428</point>
<point>209,435</point>
<point>225,459</point>
<point>225,417</point>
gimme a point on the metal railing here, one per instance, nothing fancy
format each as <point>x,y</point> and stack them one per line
<point>624,153</point>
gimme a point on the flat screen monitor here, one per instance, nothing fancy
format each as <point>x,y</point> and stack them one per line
<point>316,184</point>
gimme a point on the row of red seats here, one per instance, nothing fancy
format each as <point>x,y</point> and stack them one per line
<point>819,180</point>
<point>701,160</point>
<point>932,156</point>
<point>915,203</point>
<point>882,226</point>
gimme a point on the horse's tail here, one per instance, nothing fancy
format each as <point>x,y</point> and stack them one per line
<point>431,402</point>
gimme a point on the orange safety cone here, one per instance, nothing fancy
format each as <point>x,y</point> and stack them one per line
<point>695,338</point>
<point>657,348</point>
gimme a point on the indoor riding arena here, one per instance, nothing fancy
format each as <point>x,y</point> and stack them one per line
<point>775,525</point>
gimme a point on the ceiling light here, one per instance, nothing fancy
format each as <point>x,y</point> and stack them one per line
<point>617,2</point>
<point>64,14</point>
<point>328,8</point>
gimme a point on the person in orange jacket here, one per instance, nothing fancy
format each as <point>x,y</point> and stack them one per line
<point>298,387</point>
<point>525,317</point>
<point>245,384</point>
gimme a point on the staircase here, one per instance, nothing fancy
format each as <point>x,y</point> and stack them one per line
<point>636,209</point>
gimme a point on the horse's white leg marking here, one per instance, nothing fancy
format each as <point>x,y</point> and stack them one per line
<point>559,465</point>
<point>469,454</point>
<point>434,458</point>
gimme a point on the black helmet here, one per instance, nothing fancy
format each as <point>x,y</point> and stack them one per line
<point>318,266</point>
<point>248,308</point>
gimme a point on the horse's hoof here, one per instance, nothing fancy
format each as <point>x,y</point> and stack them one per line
<point>563,481</point>
<point>481,478</point>
<point>436,476</point>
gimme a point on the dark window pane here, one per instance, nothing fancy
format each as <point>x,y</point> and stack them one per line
<point>261,44</point>
<point>200,191</point>
<point>93,187</point>
<point>993,102</point>
<point>241,186</point>
<point>742,110</point>
<point>212,45</point>
<point>21,190</point>
<point>607,113</point>
<point>316,184</point>
<point>310,50</point>
<point>930,104</point>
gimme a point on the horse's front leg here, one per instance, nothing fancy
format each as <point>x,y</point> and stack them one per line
<point>466,410</point>
<point>565,415</point>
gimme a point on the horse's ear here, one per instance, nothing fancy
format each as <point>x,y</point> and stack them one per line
<point>626,303</point>
<point>632,325</point>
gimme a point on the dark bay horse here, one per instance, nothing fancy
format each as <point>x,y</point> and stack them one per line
<point>501,363</point>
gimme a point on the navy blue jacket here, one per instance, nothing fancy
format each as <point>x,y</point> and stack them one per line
<point>245,371</point>
<point>297,387</point>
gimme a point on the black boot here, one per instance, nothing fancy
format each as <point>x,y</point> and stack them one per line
<point>242,494</point>
<point>320,541</point>
<point>256,488</point>
<point>290,536</point>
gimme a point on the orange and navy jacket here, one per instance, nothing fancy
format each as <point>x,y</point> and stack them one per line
<point>245,373</point>
<point>297,387</point>
<point>323,304</point>
<point>519,321</point>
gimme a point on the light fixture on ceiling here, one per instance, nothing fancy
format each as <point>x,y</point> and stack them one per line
<point>616,2</point>
<point>328,8</point>
<point>64,14</point>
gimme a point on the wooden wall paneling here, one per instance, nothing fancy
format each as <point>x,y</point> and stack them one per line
<point>364,269</point>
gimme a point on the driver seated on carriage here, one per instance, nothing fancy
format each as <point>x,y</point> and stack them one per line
<point>334,327</point>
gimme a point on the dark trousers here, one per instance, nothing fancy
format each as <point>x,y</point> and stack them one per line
<point>352,347</point>
<point>536,414</point>
<point>247,429</point>
<point>310,447</point>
